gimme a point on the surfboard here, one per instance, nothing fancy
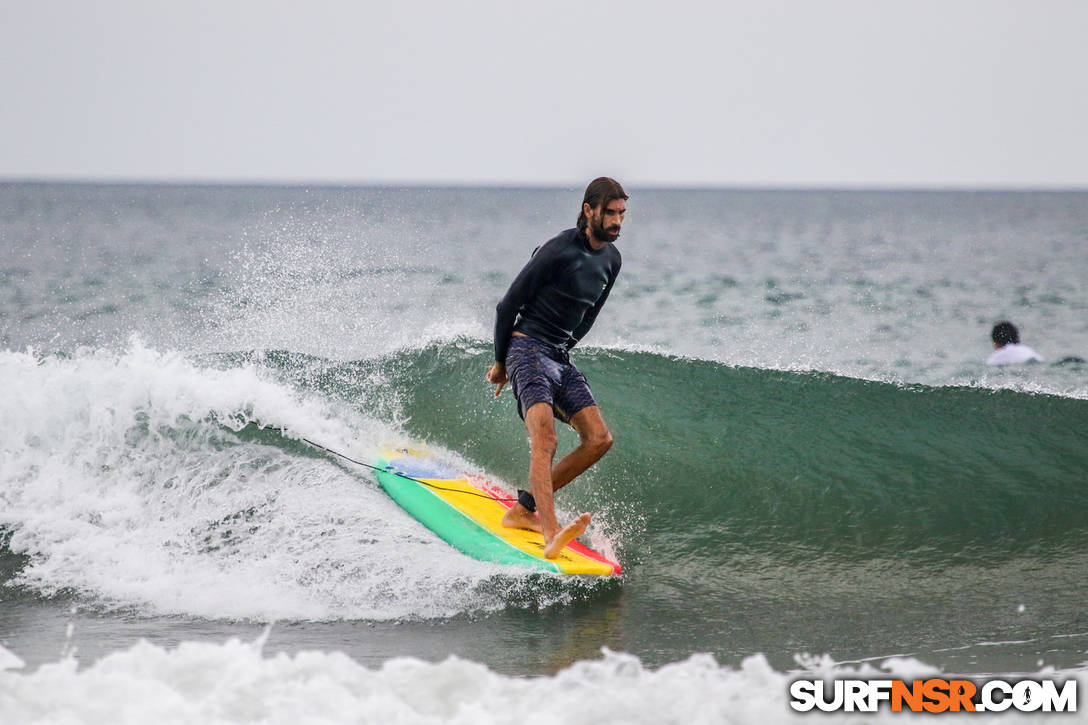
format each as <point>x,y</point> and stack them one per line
<point>466,512</point>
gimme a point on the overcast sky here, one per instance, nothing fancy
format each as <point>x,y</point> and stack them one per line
<point>942,93</point>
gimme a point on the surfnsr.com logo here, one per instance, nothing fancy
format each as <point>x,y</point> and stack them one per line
<point>934,695</point>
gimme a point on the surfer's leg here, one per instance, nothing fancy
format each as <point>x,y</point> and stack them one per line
<point>540,422</point>
<point>529,369</point>
<point>596,439</point>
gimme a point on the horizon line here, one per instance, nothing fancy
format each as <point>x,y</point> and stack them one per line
<point>529,185</point>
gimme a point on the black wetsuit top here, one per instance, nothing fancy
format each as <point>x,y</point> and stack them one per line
<point>557,295</point>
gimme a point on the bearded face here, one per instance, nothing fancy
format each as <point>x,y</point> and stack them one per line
<point>606,220</point>
<point>605,234</point>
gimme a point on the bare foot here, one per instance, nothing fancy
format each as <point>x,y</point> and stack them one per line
<point>518,517</point>
<point>570,531</point>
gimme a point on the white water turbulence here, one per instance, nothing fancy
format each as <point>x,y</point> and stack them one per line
<point>236,682</point>
<point>128,480</point>
<point>340,298</point>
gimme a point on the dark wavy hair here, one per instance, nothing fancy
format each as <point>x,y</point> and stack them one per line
<point>1004,333</point>
<point>601,191</point>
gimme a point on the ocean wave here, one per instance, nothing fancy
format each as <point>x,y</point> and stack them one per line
<point>135,480</point>
<point>167,483</point>
<point>236,681</point>
<point>773,457</point>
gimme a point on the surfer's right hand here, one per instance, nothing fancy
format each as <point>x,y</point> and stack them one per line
<point>496,375</point>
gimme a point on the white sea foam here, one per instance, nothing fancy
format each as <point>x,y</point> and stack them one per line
<point>126,478</point>
<point>236,682</point>
<point>9,660</point>
<point>340,299</point>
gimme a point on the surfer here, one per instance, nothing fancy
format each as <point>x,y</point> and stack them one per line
<point>549,307</point>
<point>1007,347</point>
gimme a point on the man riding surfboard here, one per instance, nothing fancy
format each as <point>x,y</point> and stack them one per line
<point>550,306</point>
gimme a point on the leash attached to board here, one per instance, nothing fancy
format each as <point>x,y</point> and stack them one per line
<point>387,470</point>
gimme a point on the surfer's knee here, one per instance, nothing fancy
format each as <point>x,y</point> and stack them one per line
<point>544,441</point>
<point>596,438</point>
<point>599,441</point>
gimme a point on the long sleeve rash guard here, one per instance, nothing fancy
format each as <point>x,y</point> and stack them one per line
<point>557,295</point>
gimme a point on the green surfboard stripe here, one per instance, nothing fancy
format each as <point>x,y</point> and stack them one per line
<point>454,527</point>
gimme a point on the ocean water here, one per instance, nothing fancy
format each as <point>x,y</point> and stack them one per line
<point>813,468</point>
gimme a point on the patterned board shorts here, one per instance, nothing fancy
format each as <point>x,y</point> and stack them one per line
<point>540,373</point>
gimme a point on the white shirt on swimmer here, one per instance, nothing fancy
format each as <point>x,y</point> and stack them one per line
<point>1013,354</point>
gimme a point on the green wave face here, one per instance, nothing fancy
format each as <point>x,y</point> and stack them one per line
<point>712,460</point>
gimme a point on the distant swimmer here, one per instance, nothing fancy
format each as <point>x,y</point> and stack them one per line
<point>1007,347</point>
<point>549,307</point>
